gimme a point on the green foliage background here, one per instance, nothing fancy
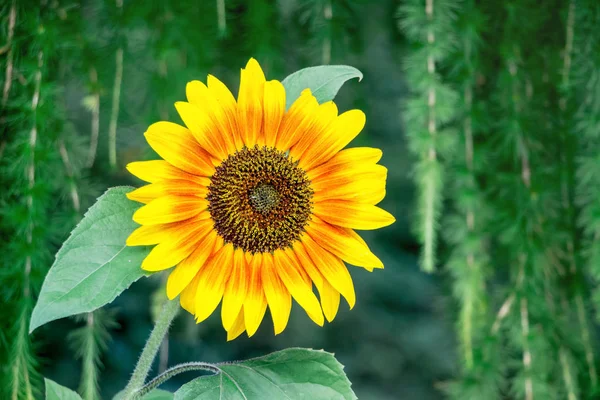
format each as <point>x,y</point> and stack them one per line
<point>489,117</point>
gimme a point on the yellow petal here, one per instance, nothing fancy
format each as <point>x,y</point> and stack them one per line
<point>147,235</point>
<point>326,144</point>
<point>235,290</point>
<point>256,303</point>
<point>278,297</point>
<point>307,263</point>
<point>250,102</point>
<point>360,184</point>
<point>188,296</point>
<point>347,158</point>
<point>330,300</point>
<point>177,247</point>
<point>211,285</point>
<point>202,128</point>
<point>177,145</point>
<point>321,125</point>
<point>199,95</point>
<point>341,243</point>
<point>178,187</point>
<point>333,269</point>
<point>287,268</point>
<point>353,215</point>
<point>186,270</point>
<point>229,106</point>
<point>169,209</point>
<point>296,120</point>
<point>273,108</point>
<point>237,328</point>
<point>159,170</point>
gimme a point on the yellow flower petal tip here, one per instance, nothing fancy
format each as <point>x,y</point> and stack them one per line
<point>254,205</point>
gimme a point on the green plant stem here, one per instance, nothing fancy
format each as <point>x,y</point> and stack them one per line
<point>151,349</point>
<point>171,372</point>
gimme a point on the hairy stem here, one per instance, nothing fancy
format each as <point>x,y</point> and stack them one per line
<point>171,372</point>
<point>151,348</point>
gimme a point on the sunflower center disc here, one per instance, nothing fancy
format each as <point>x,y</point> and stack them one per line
<point>260,200</point>
<point>264,198</point>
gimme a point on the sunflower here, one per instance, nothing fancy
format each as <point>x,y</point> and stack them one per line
<point>253,204</point>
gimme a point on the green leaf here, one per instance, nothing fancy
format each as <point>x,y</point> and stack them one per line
<point>158,394</point>
<point>54,391</point>
<point>324,81</point>
<point>93,266</point>
<point>288,374</point>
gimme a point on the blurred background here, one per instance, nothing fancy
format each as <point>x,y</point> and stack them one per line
<point>488,115</point>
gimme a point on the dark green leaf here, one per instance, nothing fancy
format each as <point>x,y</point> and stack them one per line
<point>288,374</point>
<point>324,81</point>
<point>93,266</point>
<point>54,391</point>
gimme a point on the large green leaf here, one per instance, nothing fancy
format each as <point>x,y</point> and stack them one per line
<point>324,81</point>
<point>93,266</point>
<point>158,394</point>
<point>54,391</point>
<point>289,374</point>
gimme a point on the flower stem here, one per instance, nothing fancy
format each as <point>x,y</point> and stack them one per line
<point>171,372</point>
<point>150,349</point>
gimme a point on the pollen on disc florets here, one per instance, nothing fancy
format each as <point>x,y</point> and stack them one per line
<point>260,200</point>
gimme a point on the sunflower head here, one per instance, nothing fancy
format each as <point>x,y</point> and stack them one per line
<point>253,204</point>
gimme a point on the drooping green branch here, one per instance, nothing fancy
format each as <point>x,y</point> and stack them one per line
<point>8,77</point>
<point>429,109</point>
<point>522,200</point>
<point>326,47</point>
<point>88,342</point>
<point>465,230</point>
<point>90,360</point>
<point>94,107</point>
<point>570,142</point>
<point>69,172</point>
<point>583,86</point>
<point>23,361</point>
<point>330,27</point>
<point>22,356</point>
<point>116,100</point>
